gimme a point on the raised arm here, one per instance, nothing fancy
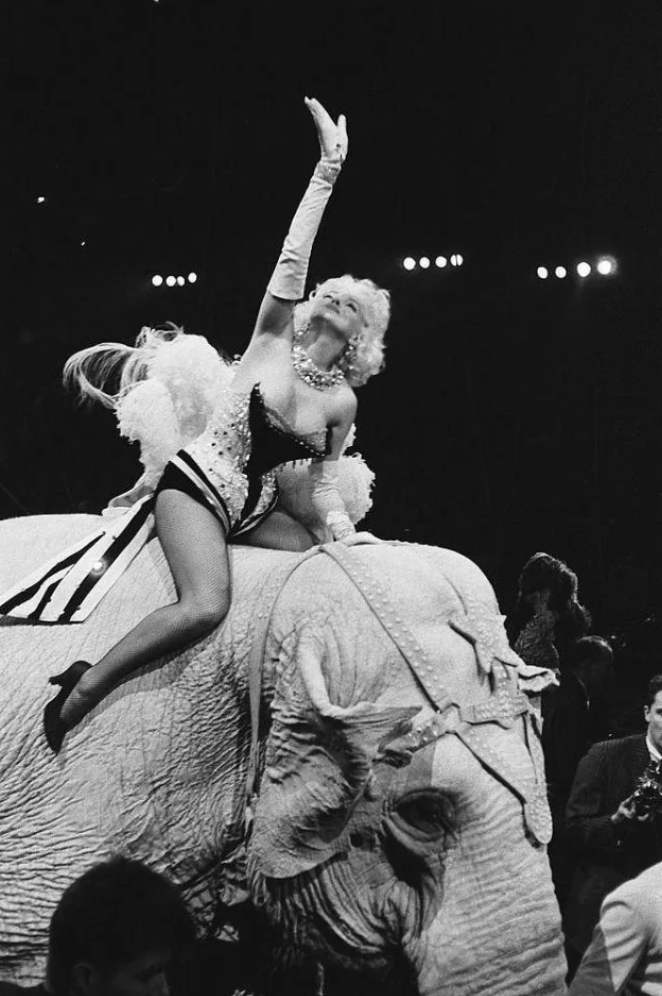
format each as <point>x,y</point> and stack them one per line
<point>288,282</point>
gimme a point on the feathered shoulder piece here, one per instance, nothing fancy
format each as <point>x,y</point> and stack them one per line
<point>163,390</point>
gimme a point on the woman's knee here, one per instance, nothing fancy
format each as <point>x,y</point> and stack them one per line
<point>302,541</point>
<point>280,532</point>
<point>203,615</point>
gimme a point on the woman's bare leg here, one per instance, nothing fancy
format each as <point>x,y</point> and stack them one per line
<point>193,541</point>
<point>279,531</point>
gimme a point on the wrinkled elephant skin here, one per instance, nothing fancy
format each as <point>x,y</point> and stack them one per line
<point>374,831</point>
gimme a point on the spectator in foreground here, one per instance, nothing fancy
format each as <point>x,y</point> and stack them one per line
<point>625,953</point>
<point>113,933</point>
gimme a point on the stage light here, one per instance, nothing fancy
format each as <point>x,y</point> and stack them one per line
<point>157,280</point>
<point>83,243</point>
<point>542,272</point>
<point>583,269</point>
<point>181,281</point>
<point>459,260</point>
<point>424,262</point>
<point>171,281</point>
<point>560,272</point>
<point>192,277</point>
<point>40,200</point>
<point>441,262</point>
<point>606,266</point>
<point>409,263</point>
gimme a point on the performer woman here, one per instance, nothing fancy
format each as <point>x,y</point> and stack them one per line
<point>291,397</point>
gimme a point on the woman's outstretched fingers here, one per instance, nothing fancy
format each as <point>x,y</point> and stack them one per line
<point>332,136</point>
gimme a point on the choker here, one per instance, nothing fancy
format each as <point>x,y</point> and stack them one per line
<point>310,373</point>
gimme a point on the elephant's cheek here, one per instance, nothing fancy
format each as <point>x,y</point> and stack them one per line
<point>355,910</point>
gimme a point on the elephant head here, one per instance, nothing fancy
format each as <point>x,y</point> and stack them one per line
<point>402,804</point>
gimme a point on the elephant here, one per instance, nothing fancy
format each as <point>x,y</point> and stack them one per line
<point>356,750</point>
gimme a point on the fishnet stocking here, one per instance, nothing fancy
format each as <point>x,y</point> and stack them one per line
<point>280,532</point>
<point>193,541</point>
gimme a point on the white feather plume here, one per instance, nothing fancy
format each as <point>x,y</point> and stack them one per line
<point>355,482</point>
<point>146,415</point>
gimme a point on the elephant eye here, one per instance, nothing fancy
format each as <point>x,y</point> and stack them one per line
<point>425,813</point>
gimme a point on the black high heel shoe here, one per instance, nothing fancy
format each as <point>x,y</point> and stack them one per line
<point>54,728</point>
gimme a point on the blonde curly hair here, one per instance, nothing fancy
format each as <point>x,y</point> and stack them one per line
<point>367,358</point>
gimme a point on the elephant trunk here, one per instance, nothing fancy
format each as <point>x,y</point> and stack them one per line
<point>489,938</point>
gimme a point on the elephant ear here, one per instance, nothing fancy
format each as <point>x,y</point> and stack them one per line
<point>319,764</point>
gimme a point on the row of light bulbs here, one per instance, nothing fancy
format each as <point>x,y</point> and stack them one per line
<point>604,266</point>
<point>424,263</point>
<point>171,281</point>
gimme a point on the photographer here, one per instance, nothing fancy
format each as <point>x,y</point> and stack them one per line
<point>612,822</point>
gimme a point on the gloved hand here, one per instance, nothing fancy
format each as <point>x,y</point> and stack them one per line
<point>332,136</point>
<point>357,539</point>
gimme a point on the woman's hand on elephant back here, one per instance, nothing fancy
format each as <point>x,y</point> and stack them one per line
<point>332,136</point>
<point>356,539</point>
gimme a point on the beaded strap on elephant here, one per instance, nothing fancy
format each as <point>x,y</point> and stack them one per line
<point>277,581</point>
<point>506,704</point>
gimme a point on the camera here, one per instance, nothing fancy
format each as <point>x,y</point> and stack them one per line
<point>646,800</point>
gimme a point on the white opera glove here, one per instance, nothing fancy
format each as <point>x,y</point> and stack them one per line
<point>288,281</point>
<point>327,500</point>
<point>289,278</point>
<point>363,538</point>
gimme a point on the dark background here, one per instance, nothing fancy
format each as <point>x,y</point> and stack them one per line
<point>514,415</point>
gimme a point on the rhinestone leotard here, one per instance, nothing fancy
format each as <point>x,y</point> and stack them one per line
<point>230,467</point>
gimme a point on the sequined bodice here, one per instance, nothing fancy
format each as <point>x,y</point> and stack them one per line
<point>273,442</point>
<point>256,438</point>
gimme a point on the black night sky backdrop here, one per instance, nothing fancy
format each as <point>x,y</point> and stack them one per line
<point>514,415</point>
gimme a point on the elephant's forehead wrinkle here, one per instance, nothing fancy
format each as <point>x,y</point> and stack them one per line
<point>457,772</point>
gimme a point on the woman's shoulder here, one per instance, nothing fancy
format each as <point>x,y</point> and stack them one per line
<point>342,404</point>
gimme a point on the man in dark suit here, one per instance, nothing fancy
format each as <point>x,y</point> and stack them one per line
<point>570,721</point>
<point>612,838</point>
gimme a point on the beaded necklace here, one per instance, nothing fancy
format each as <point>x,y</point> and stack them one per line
<point>310,373</point>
